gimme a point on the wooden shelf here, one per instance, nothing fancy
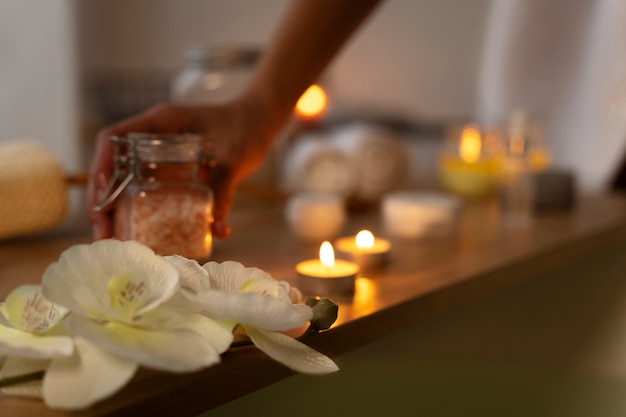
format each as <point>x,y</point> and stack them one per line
<point>422,279</point>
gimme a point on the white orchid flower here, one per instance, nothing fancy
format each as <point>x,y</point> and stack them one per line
<point>27,324</point>
<point>116,292</point>
<point>262,306</point>
<point>30,337</point>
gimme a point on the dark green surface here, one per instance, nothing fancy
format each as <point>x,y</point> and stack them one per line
<point>554,346</point>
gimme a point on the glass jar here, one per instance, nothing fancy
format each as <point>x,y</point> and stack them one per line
<point>161,202</point>
<point>213,75</point>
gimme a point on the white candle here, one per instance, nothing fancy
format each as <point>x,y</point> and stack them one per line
<point>326,275</point>
<point>365,250</point>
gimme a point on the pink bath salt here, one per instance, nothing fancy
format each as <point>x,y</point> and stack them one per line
<point>172,222</point>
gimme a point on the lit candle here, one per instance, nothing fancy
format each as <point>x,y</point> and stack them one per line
<point>365,250</point>
<point>467,170</point>
<point>326,275</point>
<point>312,104</point>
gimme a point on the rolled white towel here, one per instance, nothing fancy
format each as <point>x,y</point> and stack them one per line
<point>377,156</point>
<point>33,191</point>
<point>412,215</point>
<point>315,217</point>
<point>314,165</point>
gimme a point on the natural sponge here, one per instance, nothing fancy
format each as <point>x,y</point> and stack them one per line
<point>33,190</point>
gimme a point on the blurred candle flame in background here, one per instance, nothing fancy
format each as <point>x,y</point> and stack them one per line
<point>312,103</point>
<point>471,144</point>
<point>364,239</point>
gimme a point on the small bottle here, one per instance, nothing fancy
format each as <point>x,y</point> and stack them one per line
<point>161,202</point>
<point>213,75</point>
<point>517,191</point>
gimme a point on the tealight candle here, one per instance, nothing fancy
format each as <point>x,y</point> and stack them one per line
<point>326,275</point>
<point>364,249</point>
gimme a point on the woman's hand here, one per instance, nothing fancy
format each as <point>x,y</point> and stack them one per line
<point>241,132</point>
<point>237,135</point>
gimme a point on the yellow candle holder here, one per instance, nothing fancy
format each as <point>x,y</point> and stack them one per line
<point>469,166</point>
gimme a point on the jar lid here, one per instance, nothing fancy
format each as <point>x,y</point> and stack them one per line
<point>166,147</point>
<point>223,56</point>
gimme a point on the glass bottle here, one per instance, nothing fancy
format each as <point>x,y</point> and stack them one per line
<point>517,191</point>
<point>162,202</point>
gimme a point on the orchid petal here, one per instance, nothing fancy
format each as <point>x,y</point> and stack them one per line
<point>90,375</point>
<point>304,310</point>
<point>193,278</point>
<point>291,353</point>
<point>27,389</point>
<point>180,301</point>
<point>4,315</point>
<point>192,275</point>
<point>13,367</point>
<point>217,334</point>
<point>16,342</point>
<point>230,276</point>
<point>294,294</point>
<point>175,350</point>
<point>267,286</point>
<point>25,308</point>
<point>253,309</point>
<point>90,267</point>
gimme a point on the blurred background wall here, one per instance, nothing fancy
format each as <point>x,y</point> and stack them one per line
<point>426,51</point>
<point>66,62</point>
<point>40,76</point>
<point>69,66</point>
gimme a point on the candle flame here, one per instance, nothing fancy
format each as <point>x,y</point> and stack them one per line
<point>327,254</point>
<point>364,239</point>
<point>470,144</point>
<point>312,102</point>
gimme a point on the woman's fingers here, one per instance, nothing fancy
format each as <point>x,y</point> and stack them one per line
<point>99,178</point>
<point>220,179</point>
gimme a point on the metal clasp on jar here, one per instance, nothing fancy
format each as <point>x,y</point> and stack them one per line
<point>123,171</point>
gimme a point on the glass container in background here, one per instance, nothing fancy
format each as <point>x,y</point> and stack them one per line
<point>538,156</point>
<point>213,74</point>
<point>517,186</point>
<point>158,197</point>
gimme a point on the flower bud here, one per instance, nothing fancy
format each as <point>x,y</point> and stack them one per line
<point>324,313</point>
